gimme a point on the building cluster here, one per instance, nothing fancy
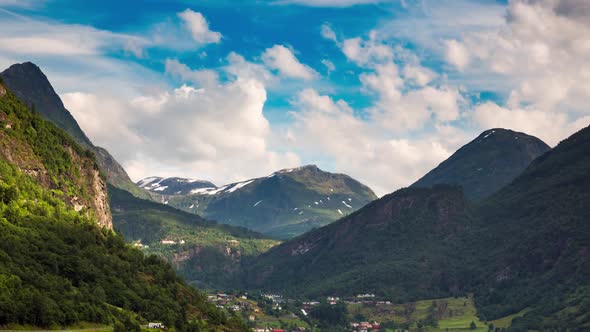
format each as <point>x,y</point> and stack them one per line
<point>231,302</point>
<point>369,302</point>
<point>277,300</point>
<point>332,300</point>
<point>139,245</point>
<point>170,242</point>
<point>365,326</point>
<point>262,329</point>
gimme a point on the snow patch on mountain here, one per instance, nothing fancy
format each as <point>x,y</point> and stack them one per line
<point>239,185</point>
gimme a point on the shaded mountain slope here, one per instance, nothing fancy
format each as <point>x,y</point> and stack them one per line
<point>398,246</point>
<point>525,247</point>
<point>487,163</point>
<point>536,234</point>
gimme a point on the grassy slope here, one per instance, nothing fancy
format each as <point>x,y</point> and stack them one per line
<point>452,314</point>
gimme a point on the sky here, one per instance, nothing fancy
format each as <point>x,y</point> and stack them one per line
<point>381,90</point>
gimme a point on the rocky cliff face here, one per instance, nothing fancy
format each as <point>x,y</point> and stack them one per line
<point>96,198</point>
<point>43,151</point>
<point>32,87</point>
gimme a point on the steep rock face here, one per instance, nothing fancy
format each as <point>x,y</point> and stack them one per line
<point>487,163</point>
<point>100,200</point>
<point>284,204</point>
<point>30,85</point>
<point>45,152</point>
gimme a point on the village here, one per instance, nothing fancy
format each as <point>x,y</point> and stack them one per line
<point>267,312</point>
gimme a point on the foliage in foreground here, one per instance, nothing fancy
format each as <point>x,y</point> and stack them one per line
<point>57,266</point>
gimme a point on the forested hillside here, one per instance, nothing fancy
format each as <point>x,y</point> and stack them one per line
<point>32,87</point>
<point>532,244</point>
<point>524,248</point>
<point>59,265</point>
<point>205,253</point>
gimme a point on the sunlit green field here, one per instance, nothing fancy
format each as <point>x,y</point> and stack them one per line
<point>452,314</point>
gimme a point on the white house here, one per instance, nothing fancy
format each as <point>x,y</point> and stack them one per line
<point>155,326</point>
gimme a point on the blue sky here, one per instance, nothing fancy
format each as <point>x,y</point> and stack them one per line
<point>382,90</point>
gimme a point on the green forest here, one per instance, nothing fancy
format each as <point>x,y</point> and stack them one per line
<point>57,266</point>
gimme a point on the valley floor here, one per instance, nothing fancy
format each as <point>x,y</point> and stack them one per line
<point>266,312</point>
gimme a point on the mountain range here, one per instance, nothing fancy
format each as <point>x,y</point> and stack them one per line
<point>173,186</point>
<point>523,248</point>
<point>282,205</point>
<point>504,218</point>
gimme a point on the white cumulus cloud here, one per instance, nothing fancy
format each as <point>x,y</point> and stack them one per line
<point>282,59</point>
<point>218,132</point>
<point>541,53</point>
<point>364,149</point>
<point>199,27</point>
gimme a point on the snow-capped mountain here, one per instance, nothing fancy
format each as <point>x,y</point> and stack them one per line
<point>284,204</point>
<point>173,185</point>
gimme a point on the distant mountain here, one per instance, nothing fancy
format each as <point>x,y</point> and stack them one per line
<point>523,248</point>
<point>30,85</point>
<point>487,163</point>
<point>205,253</point>
<point>173,186</point>
<point>284,204</point>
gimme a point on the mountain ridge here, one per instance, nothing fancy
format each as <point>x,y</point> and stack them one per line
<point>283,204</point>
<point>524,247</point>
<point>31,85</point>
<point>487,163</point>
<point>172,185</point>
